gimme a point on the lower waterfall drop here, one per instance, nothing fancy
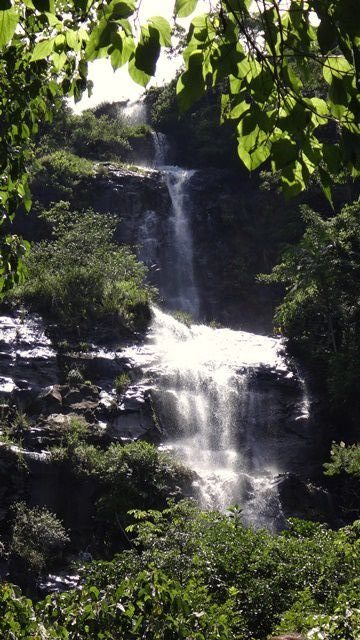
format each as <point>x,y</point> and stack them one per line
<point>202,388</point>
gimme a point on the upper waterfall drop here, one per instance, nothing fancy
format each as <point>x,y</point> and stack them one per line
<point>180,289</point>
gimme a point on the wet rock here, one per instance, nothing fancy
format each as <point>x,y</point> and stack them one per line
<point>303,499</point>
<point>134,419</point>
<point>49,400</point>
<point>13,479</point>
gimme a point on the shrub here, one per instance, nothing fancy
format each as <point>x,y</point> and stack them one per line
<point>151,606</point>
<point>138,475</point>
<point>17,616</point>
<point>320,314</point>
<point>82,276</point>
<point>122,381</point>
<point>74,377</point>
<point>37,537</point>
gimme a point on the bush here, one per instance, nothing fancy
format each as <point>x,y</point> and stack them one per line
<point>99,136</point>
<point>82,276</point>
<point>151,606</point>
<point>122,381</point>
<point>138,474</point>
<point>17,616</point>
<point>320,314</point>
<point>203,575</point>
<point>74,377</point>
<point>37,537</point>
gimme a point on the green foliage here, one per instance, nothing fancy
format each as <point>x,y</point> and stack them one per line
<point>231,583</point>
<point>37,537</point>
<point>251,582</point>
<point>344,458</point>
<point>15,423</point>
<point>137,475</point>
<point>88,135</point>
<point>74,377</point>
<point>151,606</point>
<point>278,116</point>
<point>82,276</point>
<point>51,62</point>
<point>320,313</point>
<point>17,615</point>
<point>122,381</point>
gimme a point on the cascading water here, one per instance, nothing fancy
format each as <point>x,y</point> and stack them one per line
<point>180,290</point>
<point>179,287</point>
<point>218,420</point>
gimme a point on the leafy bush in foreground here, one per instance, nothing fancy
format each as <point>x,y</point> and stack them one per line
<point>81,275</point>
<point>204,576</point>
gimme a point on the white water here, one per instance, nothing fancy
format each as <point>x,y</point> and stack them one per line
<point>181,292</point>
<point>202,377</point>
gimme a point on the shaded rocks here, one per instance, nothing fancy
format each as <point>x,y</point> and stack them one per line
<point>302,499</point>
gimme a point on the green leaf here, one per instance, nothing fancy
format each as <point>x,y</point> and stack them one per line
<point>164,29</point>
<point>184,8</point>
<point>140,77</point>
<point>118,10</point>
<point>8,23</point>
<point>72,40</point>
<point>283,153</point>
<point>59,60</point>
<point>191,86</point>
<point>338,67</point>
<point>147,51</point>
<point>123,49</point>
<point>42,49</point>
<point>100,38</point>
<point>326,185</point>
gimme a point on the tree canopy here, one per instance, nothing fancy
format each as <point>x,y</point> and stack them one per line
<point>263,53</point>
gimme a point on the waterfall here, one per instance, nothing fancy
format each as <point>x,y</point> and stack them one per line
<point>218,420</point>
<point>161,148</point>
<point>219,393</point>
<point>180,291</point>
<point>134,112</point>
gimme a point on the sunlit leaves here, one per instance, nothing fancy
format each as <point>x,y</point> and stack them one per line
<point>184,8</point>
<point>43,49</point>
<point>164,29</point>
<point>272,75</point>
<point>8,21</point>
<point>191,85</point>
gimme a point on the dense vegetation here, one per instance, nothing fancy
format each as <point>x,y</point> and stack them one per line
<point>202,575</point>
<point>81,275</point>
<point>320,313</point>
<point>92,135</point>
<point>267,96</point>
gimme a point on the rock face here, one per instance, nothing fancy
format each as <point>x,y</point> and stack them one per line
<point>301,499</point>
<point>30,375</point>
<point>230,244</point>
